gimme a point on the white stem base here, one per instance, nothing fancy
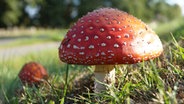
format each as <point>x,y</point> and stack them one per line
<point>104,74</point>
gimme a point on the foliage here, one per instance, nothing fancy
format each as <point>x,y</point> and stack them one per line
<point>62,13</point>
<point>165,29</point>
<point>179,32</point>
<point>10,11</point>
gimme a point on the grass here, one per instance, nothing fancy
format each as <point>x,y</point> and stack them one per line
<point>11,86</point>
<point>165,29</point>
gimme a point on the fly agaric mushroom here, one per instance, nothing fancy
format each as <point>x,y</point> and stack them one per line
<point>32,73</point>
<point>106,37</point>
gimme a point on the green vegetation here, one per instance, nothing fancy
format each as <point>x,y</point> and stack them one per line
<point>59,13</point>
<point>165,29</point>
<point>179,32</point>
<point>11,87</point>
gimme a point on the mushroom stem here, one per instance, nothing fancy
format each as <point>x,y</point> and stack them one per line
<point>104,74</point>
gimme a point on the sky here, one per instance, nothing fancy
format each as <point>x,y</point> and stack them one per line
<point>179,2</point>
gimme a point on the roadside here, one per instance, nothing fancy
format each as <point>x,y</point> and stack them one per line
<point>9,53</point>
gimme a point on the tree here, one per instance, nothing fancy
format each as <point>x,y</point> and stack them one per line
<point>26,19</point>
<point>62,13</point>
<point>55,13</point>
<point>9,13</point>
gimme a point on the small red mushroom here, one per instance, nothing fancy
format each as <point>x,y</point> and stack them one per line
<point>32,73</point>
<point>106,37</point>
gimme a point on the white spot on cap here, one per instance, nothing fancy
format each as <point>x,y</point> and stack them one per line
<point>108,37</point>
<point>109,23</point>
<point>113,29</point>
<point>89,20</point>
<point>79,40</point>
<point>87,57</point>
<point>68,46</point>
<point>97,54</point>
<point>82,26</point>
<point>109,56</point>
<point>82,32</point>
<point>129,55</point>
<point>126,35</point>
<point>69,57</point>
<point>119,36</point>
<point>75,47</point>
<point>124,43</point>
<point>109,51</point>
<point>116,45</point>
<point>95,37</point>
<point>97,21</point>
<point>91,28</point>
<point>82,48</point>
<point>119,29</point>
<point>61,46</point>
<point>131,44</point>
<point>86,38</point>
<point>102,30</point>
<point>74,35</point>
<point>103,44</point>
<point>124,58</point>
<point>91,46</point>
<point>81,53</point>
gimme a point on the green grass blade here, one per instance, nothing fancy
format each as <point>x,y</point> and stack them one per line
<point>66,85</point>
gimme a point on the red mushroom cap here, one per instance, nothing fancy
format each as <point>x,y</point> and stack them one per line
<point>109,36</point>
<point>32,72</point>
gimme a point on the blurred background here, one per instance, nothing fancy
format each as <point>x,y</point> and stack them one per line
<point>52,14</point>
<point>62,13</point>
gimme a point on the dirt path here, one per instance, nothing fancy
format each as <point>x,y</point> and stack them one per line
<point>22,50</point>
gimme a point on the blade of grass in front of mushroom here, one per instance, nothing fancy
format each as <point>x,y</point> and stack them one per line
<point>174,40</point>
<point>39,95</point>
<point>66,85</point>
<point>9,89</point>
<point>54,90</point>
<point>5,95</point>
<point>160,83</point>
<point>180,50</point>
<point>122,75</point>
